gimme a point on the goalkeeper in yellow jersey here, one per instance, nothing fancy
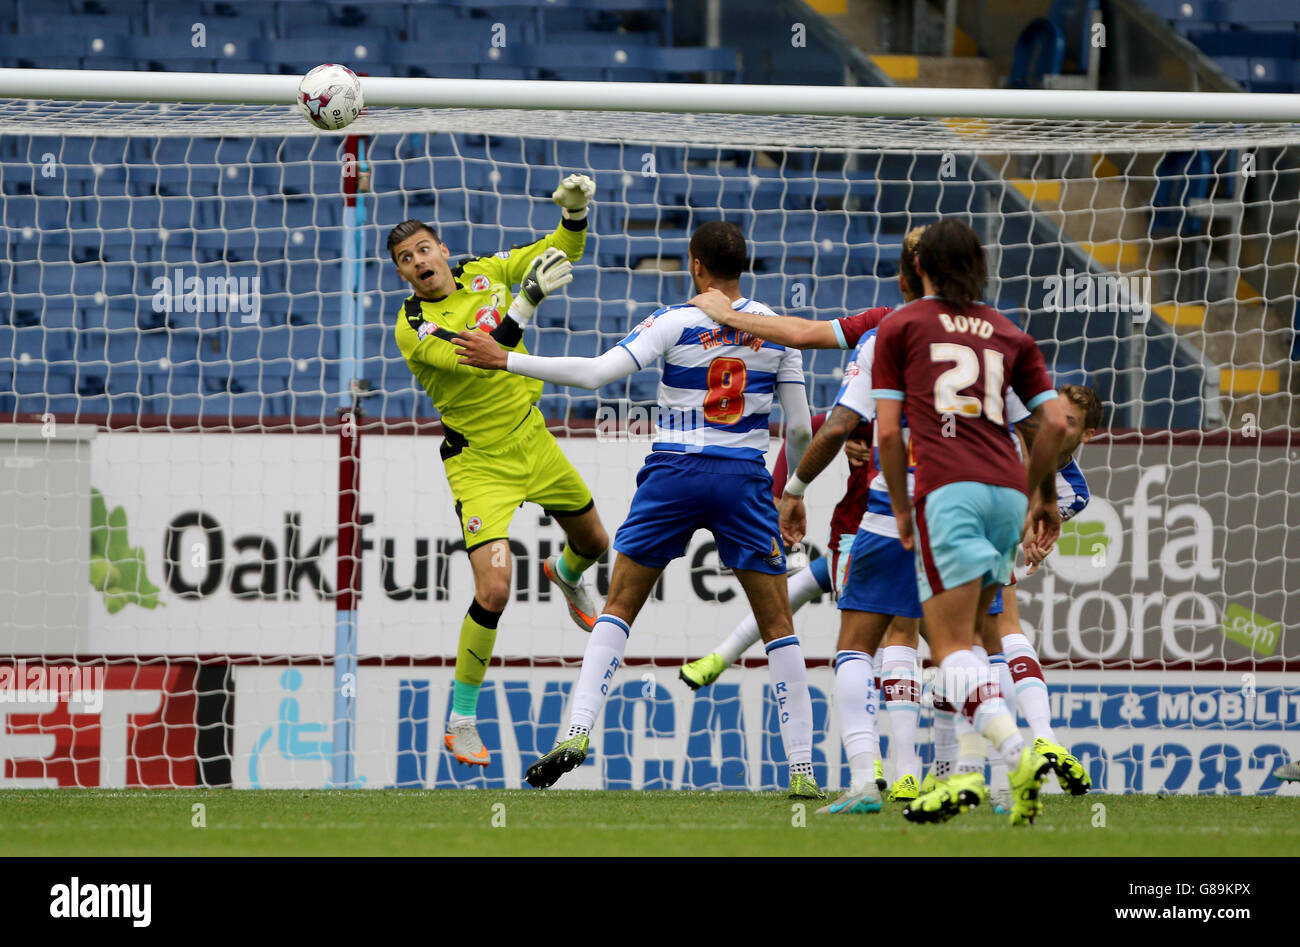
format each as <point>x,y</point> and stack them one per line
<point>497,451</point>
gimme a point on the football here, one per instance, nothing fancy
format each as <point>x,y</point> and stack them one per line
<point>330,96</point>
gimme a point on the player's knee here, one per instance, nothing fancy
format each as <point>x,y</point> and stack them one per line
<point>493,592</point>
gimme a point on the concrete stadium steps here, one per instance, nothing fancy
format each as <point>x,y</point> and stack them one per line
<point>939,72</point>
<point>1248,340</point>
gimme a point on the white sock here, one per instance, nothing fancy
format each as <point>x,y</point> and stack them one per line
<point>789,677</point>
<point>945,743</point>
<point>997,770</point>
<point>742,637</point>
<point>968,685</point>
<point>970,747</point>
<point>802,589</point>
<point>902,684</point>
<point>1002,674</point>
<point>1007,739</point>
<point>600,661</point>
<point>855,707</point>
<point>1030,688</point>
<point>877,698</point>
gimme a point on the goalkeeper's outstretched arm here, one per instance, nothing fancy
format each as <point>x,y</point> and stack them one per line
<point>545,266</point>
<point>548,272</point>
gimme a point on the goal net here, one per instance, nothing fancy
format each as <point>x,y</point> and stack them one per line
<point>199,338</point>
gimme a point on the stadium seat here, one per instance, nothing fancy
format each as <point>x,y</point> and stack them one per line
<point>44,213</point>
<point>58,50</point>
<point>1039,52</point>
<point>121,393</point>
<point>53,24</point>
<point>394,17</point>
<point>1170,9</point>
<point>619,61</point>
<point>1182,178</point>
<point>1269,74</point>
<point>1254,12</point>
<point>621,38</point>
<point>1247,43</point>
<point>127,347</point>
<point>477,34</point>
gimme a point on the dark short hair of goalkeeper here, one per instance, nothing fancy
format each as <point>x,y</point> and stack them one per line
<point>720,247</point>
<point>404,231</point>
<point>507,333</point>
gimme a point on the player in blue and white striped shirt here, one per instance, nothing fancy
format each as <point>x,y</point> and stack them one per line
<point>706,470</point>
<point>1011,655</point>
<point>716,393</point>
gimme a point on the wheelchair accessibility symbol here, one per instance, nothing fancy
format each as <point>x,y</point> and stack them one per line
<point>293,739</point>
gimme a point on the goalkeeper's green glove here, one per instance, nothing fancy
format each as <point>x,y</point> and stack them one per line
<point>548,272</point>
<point>573,195</point>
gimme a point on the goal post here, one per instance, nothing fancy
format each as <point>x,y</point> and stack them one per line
<point>200,274</point>
<point>727,99</point>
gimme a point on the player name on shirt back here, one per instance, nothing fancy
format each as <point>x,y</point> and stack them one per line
<point>725,335</point>
<point>972,324</point>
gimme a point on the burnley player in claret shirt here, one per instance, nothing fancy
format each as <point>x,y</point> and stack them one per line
<point>946,361</point>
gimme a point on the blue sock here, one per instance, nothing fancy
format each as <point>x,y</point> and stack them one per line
<point>464,698</point>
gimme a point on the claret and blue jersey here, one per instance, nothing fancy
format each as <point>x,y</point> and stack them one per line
<point>951,368</point>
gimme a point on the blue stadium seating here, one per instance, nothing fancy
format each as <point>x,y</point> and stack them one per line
<point>1255,12</point>
<point>1249,44</point>
<point>1055,44</point>
<point>1256,42</point>
<point>84,250</point>
<point>1040,51</point>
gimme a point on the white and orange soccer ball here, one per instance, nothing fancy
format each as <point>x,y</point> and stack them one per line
<point>330,96</point>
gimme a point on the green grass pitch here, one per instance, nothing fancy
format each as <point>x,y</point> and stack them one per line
<point>79,822</point>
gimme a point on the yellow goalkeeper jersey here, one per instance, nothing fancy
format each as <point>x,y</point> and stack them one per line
<point>481,406</point>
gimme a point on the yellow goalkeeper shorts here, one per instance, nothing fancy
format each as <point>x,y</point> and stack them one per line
<point>527,466</point>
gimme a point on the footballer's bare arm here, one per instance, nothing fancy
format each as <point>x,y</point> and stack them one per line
<point>783,330</point>
<point>480,350</point>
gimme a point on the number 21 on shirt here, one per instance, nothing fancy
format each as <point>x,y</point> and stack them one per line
<point>962,375</point>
